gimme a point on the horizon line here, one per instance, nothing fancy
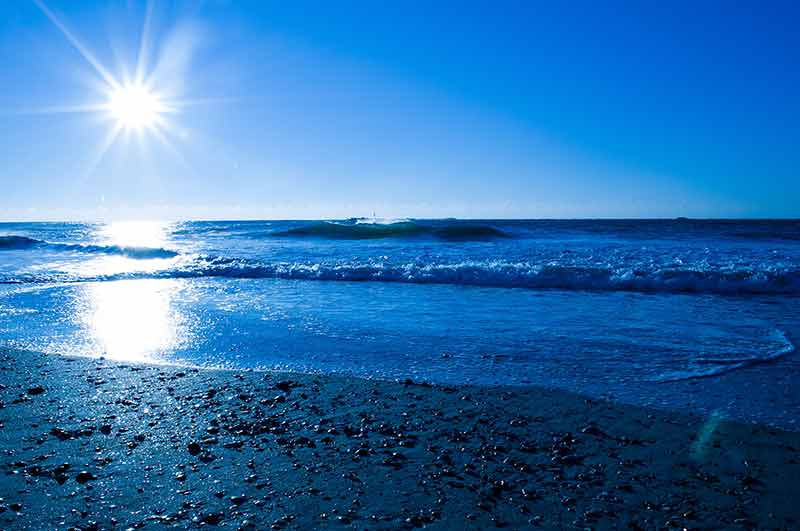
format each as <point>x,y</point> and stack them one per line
<point>409,218</point>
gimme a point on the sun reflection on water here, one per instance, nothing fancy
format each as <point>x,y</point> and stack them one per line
<point>120,249</point>
<point>134,234</point>
<point>133,320</point>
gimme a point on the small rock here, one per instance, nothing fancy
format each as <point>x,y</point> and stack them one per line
<point>85,476</point>
<point>194,448</point>
<point>238,500</point>
<point>285,386</point>
<point>212,518</point>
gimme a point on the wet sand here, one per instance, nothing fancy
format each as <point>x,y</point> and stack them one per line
<point>93,444</point>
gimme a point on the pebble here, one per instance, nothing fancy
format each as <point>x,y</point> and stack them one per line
<point>461,457</point>
<point>238,500</point>
<point>85,476</point>
<point>194,448</point>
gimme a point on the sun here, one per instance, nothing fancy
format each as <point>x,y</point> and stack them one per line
<point>143,98</point>
<point>135,107</point>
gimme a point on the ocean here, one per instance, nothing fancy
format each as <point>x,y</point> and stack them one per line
<point>676,314</point>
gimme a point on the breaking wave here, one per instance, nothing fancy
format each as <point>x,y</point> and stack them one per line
<point>144,253</point>
<point>512,275</point>
<point>495,273</point>
<point>360,230</point>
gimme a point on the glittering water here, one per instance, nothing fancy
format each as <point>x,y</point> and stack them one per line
<point>680,314</point>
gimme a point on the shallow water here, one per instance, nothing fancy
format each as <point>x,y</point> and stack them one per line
<point>679,314</point>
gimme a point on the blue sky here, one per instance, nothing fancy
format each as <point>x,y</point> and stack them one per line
<point>468,109</point>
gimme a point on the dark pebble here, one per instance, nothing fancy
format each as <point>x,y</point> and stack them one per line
<point>194,448</point>
<point>85,476</point>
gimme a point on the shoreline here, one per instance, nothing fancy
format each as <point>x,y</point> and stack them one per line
<point>94,444</point>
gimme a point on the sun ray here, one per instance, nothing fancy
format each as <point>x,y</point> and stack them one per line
<point>61,109</point>
<point>136,104</point>
<point>103,148</point>
<point>159,130</point>
<point>83,50</point>
<point>144,45</point>
<point>178,103</point>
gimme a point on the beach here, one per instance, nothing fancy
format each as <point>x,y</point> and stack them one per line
<point>448,266</point>
<point>93,444</point>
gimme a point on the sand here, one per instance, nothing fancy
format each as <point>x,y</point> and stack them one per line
<point>94,444</point>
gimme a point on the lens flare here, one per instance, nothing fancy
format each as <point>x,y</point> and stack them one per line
<point>138,105</point>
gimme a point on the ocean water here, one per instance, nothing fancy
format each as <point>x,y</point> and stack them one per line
<point>679,314</point>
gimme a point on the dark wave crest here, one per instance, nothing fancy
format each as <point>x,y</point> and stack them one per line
<point>139,253</point>
<point>144,253</point>
<point>399,229</point>
<point>17,242</point>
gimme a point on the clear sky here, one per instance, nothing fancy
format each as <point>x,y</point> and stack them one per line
<point>422,109</point>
